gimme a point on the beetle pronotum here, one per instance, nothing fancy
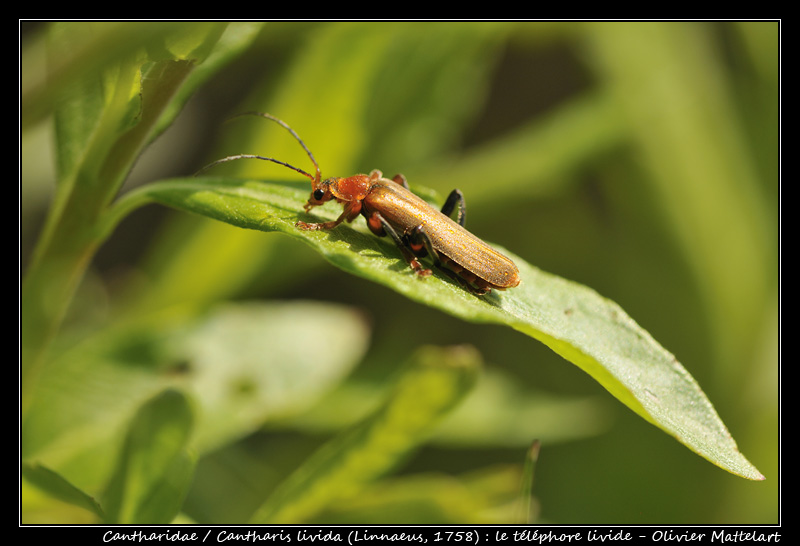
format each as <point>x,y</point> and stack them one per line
<point>417,229</point>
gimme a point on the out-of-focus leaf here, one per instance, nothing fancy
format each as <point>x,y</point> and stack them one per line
<point>244,363</point>
<point>58,487</point>
<point>671,90</point>
<point>496,413</point>
<point>234,39</point>
<point>535,159</point>
<point>103,120</point>
<point>252,363</point>
<point>431,385</point>
<point>155,468</point>
<point>487,496</point>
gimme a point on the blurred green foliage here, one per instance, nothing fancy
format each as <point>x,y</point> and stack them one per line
<point>637,158</point>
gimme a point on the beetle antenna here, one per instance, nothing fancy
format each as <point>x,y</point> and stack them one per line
<point>295,135</point>
<point>251,156</point>
<point>316,179</point>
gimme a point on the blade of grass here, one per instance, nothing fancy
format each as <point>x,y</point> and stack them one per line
<point>673,95</point>
<point>528,471</point>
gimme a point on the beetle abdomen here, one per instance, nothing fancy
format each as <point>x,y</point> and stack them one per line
<point>467,255</point>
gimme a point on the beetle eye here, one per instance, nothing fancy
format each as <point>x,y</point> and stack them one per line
<point>319,194</point>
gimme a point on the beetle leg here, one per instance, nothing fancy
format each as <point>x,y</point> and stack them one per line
<point>400,179</point>
<point>456,198</point>
<point>322,226</point>
<point>418,240</point>
<point>407,254</point>
<point>350,211</point>
<point>420,244</point>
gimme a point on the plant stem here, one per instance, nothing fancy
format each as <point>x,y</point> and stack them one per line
<point>76,230</point>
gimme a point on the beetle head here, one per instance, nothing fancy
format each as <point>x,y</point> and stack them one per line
<point>349,189</point>
<point>321,192</point>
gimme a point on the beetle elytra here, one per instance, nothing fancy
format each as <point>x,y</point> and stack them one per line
<point>418,230</point>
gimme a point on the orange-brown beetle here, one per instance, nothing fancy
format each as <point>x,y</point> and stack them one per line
<point>416,228</point>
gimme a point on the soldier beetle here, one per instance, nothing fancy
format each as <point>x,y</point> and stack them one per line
<point>418,230</point>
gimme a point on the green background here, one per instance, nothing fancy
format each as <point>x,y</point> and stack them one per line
<point>640,159</point>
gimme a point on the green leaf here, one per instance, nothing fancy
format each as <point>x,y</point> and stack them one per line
<point>499,411</point>
<point>250,363</point>
<point>80,51</point>
<point>484,497</point>
<point>103,119</point>
<point>433,382</point>
<point>244,364</point>
<point>590,331</point>
<point>234,38</point>
<point>155,468</point>
<point>58,487</point>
